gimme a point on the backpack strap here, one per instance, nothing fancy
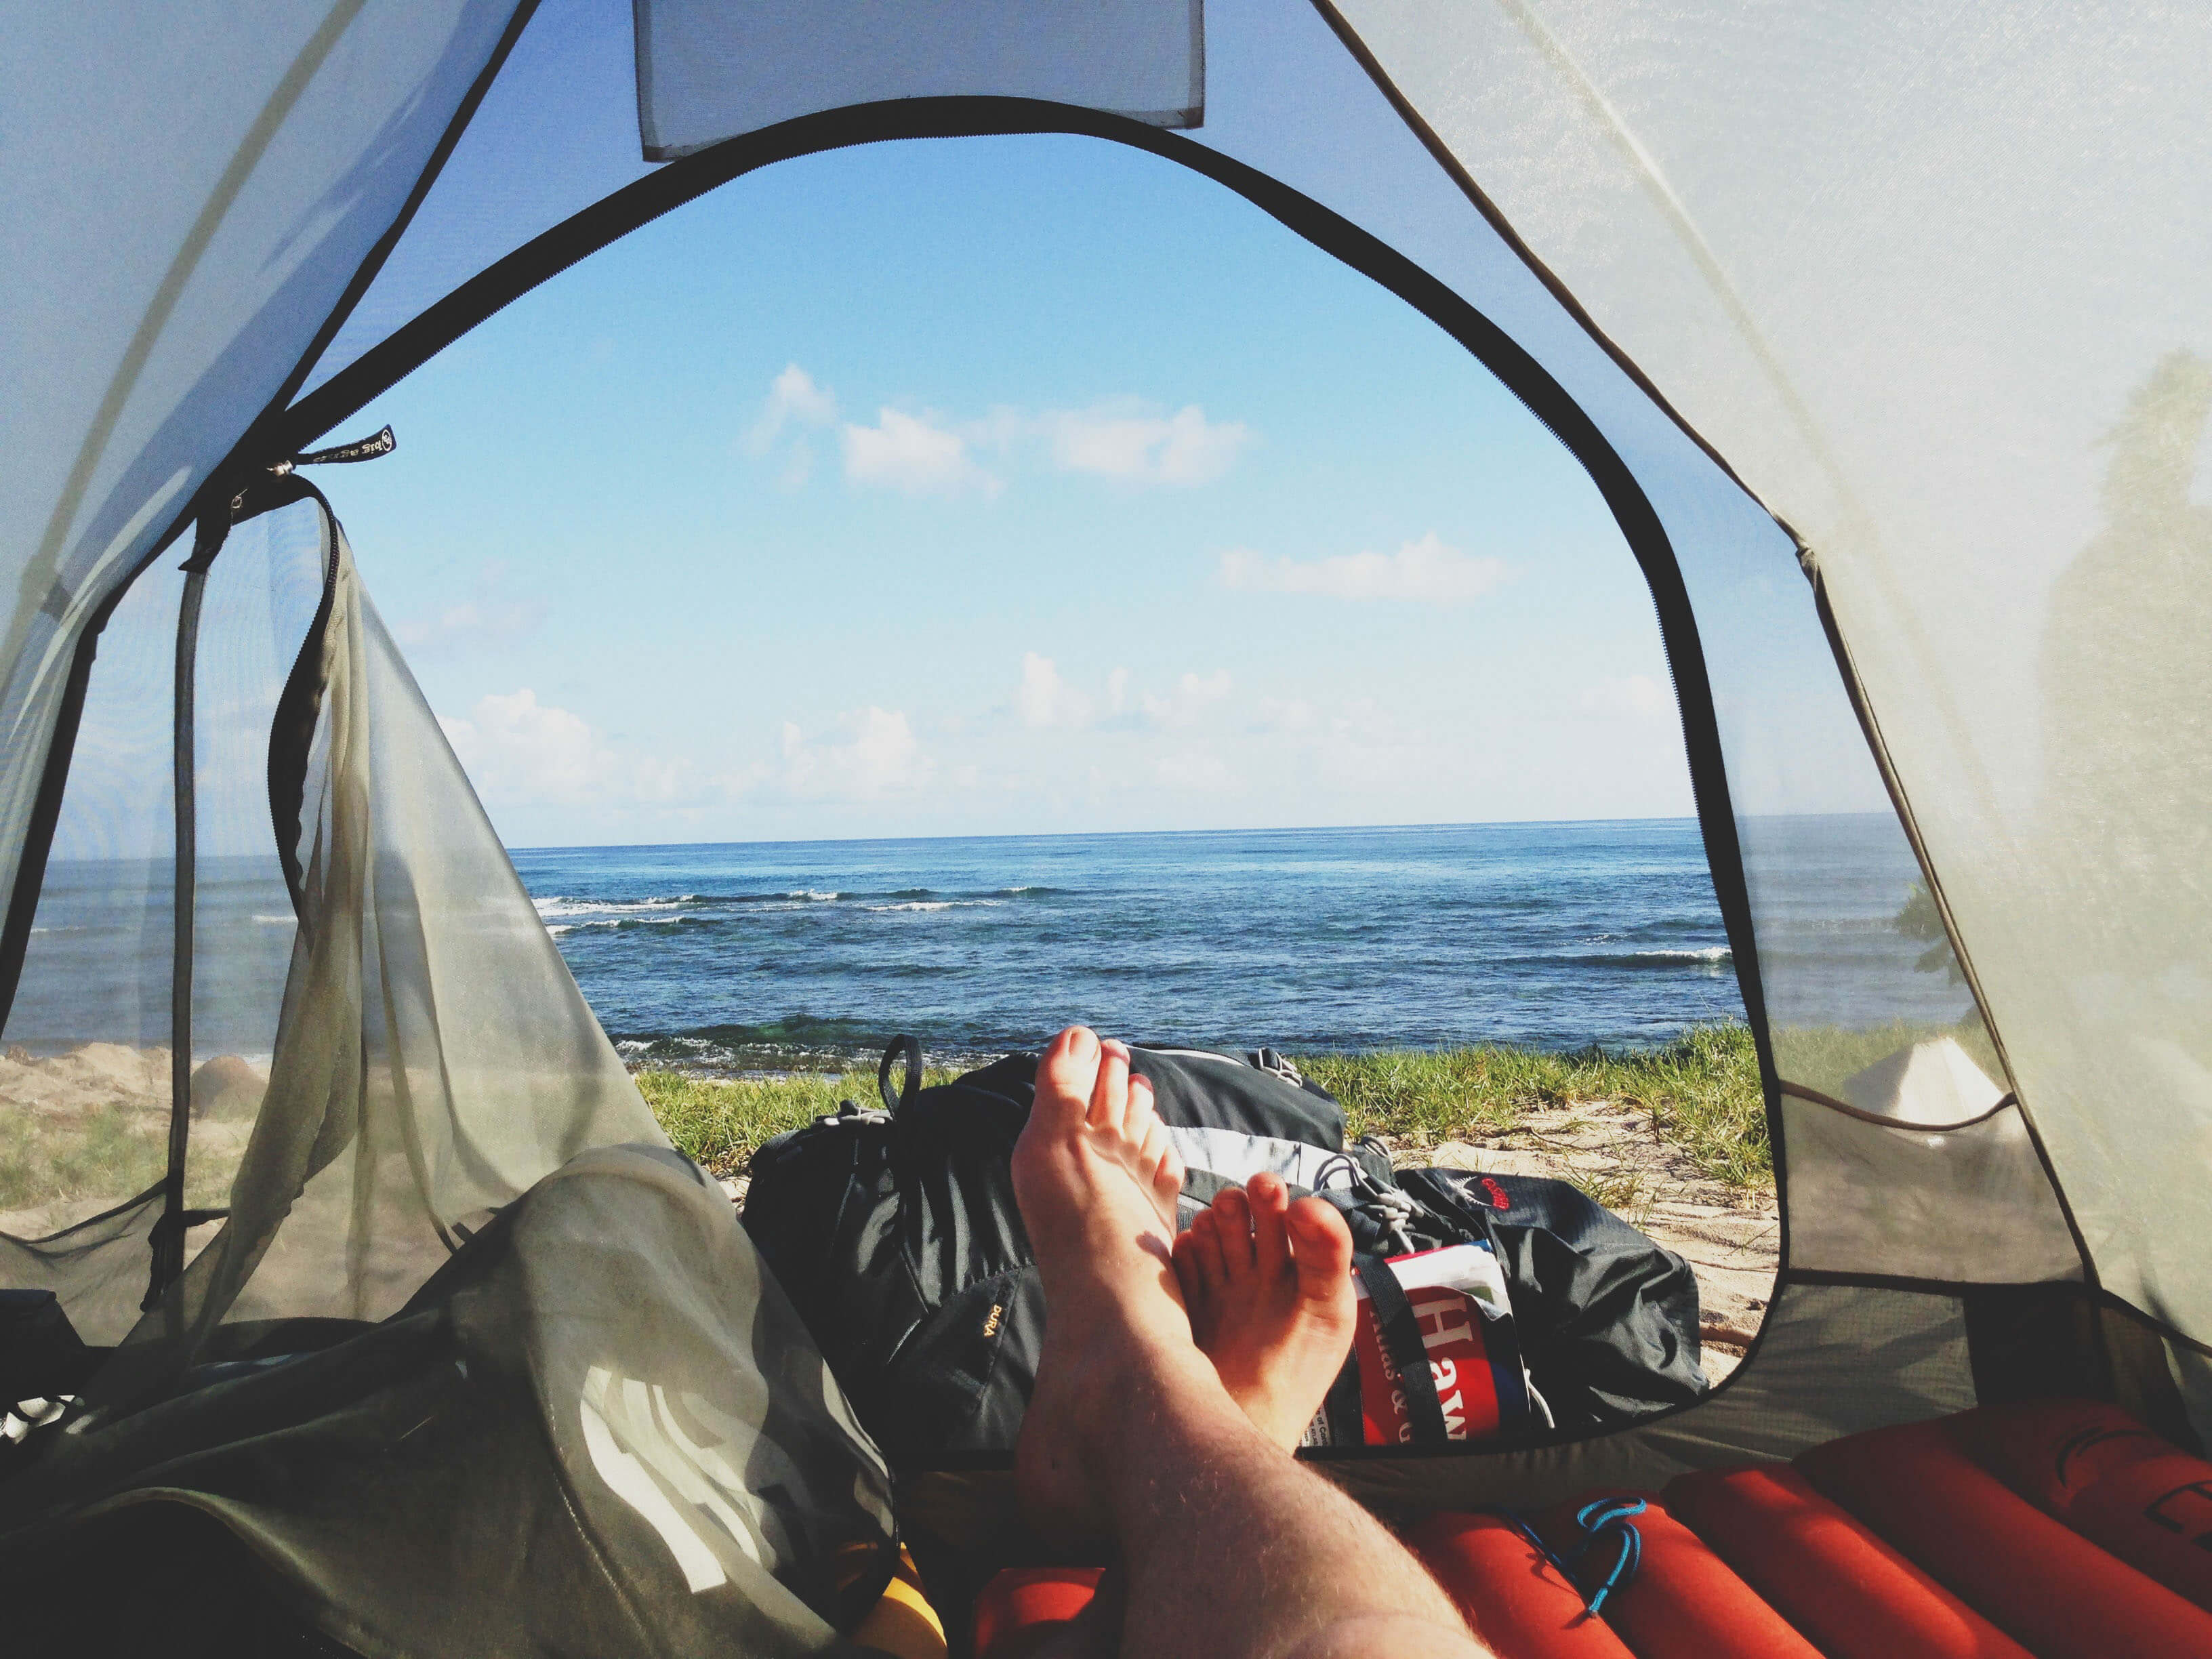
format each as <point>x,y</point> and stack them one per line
<point>1400,1336</point>
<point>907,1048</point>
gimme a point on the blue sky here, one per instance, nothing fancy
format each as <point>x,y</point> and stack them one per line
<point>997,486</point>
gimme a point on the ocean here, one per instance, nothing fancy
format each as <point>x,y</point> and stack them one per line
<point>736,956</point>
<point>729,958</point>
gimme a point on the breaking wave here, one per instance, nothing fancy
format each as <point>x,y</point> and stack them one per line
<point>560,906</point>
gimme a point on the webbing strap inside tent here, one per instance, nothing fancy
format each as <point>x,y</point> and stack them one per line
<point>1400,1336</point>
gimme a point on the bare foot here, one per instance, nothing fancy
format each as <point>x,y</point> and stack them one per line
<point>1269,1285</point>
<point>1097,1180</point>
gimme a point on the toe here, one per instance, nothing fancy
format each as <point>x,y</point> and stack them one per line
<point>1109,1094</point>
<point>1232,1219</point>
<point>1321,1245</point>
<point>1157,1170</point>
<point>1149,1134</point>
<point>1066,1073</point>
<point>1140,1115</point>
<point>1191,1276</point>
<point>1201,1247</point>
<point>1167,1179</point>
<point>1271,1244</point>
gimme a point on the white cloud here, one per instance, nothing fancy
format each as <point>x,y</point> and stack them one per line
<point>879,755</point>
<point>1289,716</point>
<point>513,746</point>
<point>930,454</point>
<point>519,751</point>
<point>1120,439</point>
<point>913,454</point>
<point>1192,695</point>
<point>793,398</point>
<point>1634,696</point>
<point>488,618</point>
<point>1425,570</point>
<point>1046,700</point>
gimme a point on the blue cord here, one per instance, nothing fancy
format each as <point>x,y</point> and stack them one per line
<point>1606,1517</point>
<point>1610,1515</point>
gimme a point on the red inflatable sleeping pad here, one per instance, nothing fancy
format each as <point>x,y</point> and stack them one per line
<point>1684,1602</point>
<point>2059,1595</point>
<point>1516,1601</point>
<point>1851,1593</point>
<point>2063,1530</point>
<point>2109,1478</point>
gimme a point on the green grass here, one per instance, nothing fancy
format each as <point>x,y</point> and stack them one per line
<point>1702,1091</point>
<point>720,1125</point>
<point>111,1152</point>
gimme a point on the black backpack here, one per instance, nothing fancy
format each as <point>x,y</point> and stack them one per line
<point>1606,1318</point>
<point>894,1233</point>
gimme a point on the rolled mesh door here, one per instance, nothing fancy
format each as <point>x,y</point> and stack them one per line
<point>478,1296</point>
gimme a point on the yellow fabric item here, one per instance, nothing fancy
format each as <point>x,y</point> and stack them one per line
<point>904,1624</point>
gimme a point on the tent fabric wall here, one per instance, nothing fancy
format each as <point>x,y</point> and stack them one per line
<point>188,193</point>
<point>88,1092</point>
<point>461,1274</point>
<point>557,131</point>
<point>1936,284</point>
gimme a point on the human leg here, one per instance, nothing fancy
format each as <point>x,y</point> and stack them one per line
<point>1227,1544</point>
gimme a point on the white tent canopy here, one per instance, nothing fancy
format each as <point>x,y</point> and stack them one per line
<point>1884,332</point>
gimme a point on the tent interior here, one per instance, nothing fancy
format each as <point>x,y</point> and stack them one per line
<point>1882,337</point>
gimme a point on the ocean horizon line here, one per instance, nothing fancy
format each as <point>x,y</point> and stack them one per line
<point>1157,834</point>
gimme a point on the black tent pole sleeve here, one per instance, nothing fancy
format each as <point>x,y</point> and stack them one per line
<point>1400,1334</point>
<point>169,1231</point>
<point>298,708</point>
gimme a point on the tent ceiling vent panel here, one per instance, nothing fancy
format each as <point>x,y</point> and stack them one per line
<point>708,71</point>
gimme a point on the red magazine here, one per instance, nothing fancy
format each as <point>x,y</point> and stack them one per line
<point>1466,1321</point>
